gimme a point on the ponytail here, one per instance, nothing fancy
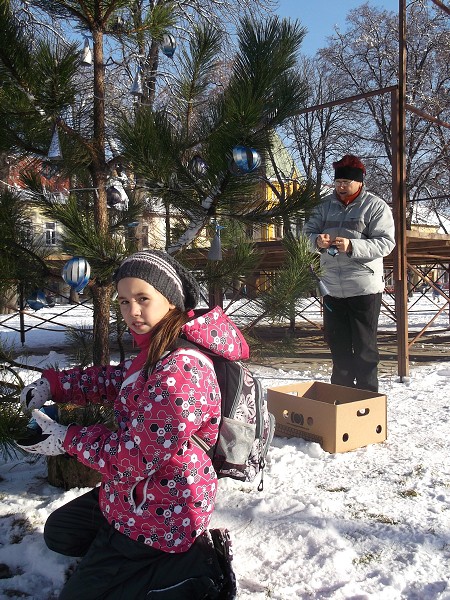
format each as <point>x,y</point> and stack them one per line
<point>164,335</point>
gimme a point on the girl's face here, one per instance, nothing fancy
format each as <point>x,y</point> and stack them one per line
<point>142,306</point>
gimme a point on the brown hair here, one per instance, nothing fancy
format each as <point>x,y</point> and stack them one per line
<point>164,335</point>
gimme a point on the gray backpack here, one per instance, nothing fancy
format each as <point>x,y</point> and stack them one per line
<point>246,428</point>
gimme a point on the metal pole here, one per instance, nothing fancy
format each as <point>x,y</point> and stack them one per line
<point>21,317</point>
<point>399,202</point>
<point>442,6</point>
<point>448,280</point>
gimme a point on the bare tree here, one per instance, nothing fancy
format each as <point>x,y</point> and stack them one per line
<point>317,135</point>
<point>364,58</point>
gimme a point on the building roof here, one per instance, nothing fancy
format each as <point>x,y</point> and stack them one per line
<point>424,215</point>
<point>283,159</point>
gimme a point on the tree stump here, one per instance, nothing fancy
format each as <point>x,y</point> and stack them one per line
<point>66,472</point>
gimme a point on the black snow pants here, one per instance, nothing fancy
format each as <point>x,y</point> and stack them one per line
<point>114,567</point>
<point>350,326</point>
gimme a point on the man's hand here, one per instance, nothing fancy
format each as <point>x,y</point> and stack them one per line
<point>49,441</point>
<point>35,395</point>
<point>342,244</point>
<point>323,240</point>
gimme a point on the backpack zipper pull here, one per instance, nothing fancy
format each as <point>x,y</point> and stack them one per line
<point>262,464</point>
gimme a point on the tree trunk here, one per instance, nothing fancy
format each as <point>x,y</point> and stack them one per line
<point>101,302</point>
<point>66,472</point>
<point>292,318</point>
<point>73,296</point>
<point>100,293</point>
<point>215,296</point>
<point>8,302</point>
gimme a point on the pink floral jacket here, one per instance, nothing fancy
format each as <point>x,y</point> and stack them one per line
<point>157,486</point>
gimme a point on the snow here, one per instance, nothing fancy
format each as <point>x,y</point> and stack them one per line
<point>370,523</point>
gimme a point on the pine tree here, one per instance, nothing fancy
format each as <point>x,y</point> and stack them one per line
<point>203,110</point>
<point>23,264</point>
<point>212,108</point>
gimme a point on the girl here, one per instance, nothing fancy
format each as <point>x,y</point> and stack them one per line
<point>143,532</point>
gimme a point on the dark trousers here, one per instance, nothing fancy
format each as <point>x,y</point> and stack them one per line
<point>114,567</point>
<point>350,326</point>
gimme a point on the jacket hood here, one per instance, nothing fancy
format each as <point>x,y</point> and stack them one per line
<point>215,331</point>
<point>212,329</point>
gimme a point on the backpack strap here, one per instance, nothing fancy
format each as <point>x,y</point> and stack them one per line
<point>207,449</point>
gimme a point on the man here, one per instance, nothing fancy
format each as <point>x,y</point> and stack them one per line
<point>353,230</point>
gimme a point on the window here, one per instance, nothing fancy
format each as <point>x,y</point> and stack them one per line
<point>299,227</point>
<point>50,234</point>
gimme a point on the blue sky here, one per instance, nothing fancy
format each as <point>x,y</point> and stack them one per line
<point>320,16</point>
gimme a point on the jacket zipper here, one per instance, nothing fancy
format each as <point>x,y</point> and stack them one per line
<point>364,266</point>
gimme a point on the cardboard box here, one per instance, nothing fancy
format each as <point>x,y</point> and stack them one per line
<point>337,417</point>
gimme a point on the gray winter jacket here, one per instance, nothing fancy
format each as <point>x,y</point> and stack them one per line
<point>368,223</point>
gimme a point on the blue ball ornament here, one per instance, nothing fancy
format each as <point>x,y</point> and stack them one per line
<point>168,45</point>
<point>198,166</point>
<point>245,160</point>
<point>113,197</point>
<point>37,300</point>
<point>76,273</point>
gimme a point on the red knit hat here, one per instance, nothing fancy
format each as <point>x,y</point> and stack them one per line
<point>349,167</point>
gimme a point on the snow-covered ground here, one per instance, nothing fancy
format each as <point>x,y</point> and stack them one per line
<point>370,523</point>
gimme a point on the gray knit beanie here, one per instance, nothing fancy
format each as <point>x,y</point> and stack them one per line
<point>165,274</point>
